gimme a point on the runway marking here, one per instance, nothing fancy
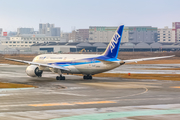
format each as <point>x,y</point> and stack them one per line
<point>12,89</point>
<point>50,104</point>
<point>115,115</point>
<point>95,102</point>
<point>146,90</point>
<point>74,103</point>
<point>175,87</point>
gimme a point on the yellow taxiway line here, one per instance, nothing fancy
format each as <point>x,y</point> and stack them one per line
<point>175,87</point>
<point>74,103</point>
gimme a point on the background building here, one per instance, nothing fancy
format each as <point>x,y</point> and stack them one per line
<point>0,31</point>
<point>49,30</point>
<point>25,31</point>
<point>176,31</point>
<point>171,35</point>
<point>83,34</point>
<point>166,35</point>
<point>79,35</point>
<point>65,36</point>
<point>26,41</point>
<point>130,34</point>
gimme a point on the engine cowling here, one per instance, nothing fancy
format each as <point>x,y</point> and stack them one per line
<point>33,71</point>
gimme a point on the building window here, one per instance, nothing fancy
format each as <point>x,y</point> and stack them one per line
<point>169,40</point>
<point>10,42</point>
<point>30,42</point>
<point>6,42</point>
<point>22,42</point>
<point>25,42</point>
<point>164,40</point>
<point>18,42</point>
<point>14,42</point>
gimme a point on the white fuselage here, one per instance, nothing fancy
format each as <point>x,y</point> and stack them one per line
<point>76,63</point>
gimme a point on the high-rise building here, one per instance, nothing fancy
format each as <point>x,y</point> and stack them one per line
<point>65,36</point>
<point>53,31</point>
<point>79,35</point>
<point>165,35</point>
<point>49,29</point>
<point>130,34</point>
<point>25,31</point>
<point>83,34</point>
<point>169,34</point>
<point>176,31</point>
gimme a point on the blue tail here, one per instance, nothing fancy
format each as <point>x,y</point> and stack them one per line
<point>113,47</point>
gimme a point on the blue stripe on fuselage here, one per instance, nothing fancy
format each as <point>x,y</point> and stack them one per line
<point>85,61</point>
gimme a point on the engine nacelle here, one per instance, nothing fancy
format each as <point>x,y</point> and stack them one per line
<point>33,71</point>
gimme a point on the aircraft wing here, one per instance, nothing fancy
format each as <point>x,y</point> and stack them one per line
<point>144,59</point>
<point>39,64</point>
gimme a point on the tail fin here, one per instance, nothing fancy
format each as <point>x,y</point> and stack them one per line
<point>113,47</point>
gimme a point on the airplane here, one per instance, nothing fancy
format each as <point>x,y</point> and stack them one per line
<point>87,64</point>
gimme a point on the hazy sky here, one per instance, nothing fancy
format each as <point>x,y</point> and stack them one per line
<point>84,13</point>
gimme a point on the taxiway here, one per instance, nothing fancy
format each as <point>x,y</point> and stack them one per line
<point>54,99</point>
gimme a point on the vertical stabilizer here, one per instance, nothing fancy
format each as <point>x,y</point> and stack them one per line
<point>113,46</point>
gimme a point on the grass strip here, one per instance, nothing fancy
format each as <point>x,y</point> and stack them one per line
<point>173,77</point>
<point>14,85</point>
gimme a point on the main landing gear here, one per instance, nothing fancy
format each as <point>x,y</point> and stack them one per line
<point>87,77</point>
<point>60,77</point>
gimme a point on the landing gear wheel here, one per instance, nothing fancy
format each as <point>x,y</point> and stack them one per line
<point>60,78</point>
<point>87,77</point>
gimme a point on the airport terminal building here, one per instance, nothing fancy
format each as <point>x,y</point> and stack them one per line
<point>53,47</point>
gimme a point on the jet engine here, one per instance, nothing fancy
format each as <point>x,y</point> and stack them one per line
<point>33,71</point>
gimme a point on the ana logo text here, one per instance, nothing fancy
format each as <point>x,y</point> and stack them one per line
<point>114,41</point>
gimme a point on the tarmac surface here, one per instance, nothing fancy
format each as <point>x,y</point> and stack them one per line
<point>97,99</point>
